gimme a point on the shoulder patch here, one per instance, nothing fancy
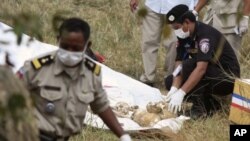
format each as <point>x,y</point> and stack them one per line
<point>37,63</point>
<point>92,66</point>
<point>204,45</point>
<point>20,73</point>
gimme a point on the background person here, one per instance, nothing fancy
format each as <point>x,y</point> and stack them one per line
<point>230,17</point>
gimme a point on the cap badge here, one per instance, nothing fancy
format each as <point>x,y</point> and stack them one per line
<point>171,18</point>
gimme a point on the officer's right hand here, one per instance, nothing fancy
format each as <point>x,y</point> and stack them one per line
<point>125,137</point>
<point>242,28</point>
<point>133,5</point>
<point>172,90</point>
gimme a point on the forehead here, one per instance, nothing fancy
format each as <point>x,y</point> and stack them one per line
<point>176,25</point>
<point>72,34</point>
<point>73,41</point>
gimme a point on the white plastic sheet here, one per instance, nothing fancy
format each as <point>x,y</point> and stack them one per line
<point>119,87</point>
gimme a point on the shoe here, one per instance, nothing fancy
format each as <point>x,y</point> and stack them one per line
<point>144,80</point>
<point>149,84</point>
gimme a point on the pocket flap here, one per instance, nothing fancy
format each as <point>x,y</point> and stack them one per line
<point>86,97</point>
<point>51,94</point>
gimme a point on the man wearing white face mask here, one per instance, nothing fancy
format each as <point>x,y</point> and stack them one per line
<point>64,83</point>
<point>209,65</point>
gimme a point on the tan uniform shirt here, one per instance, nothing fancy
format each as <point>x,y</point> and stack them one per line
<point>223,14</point>
<point>62,100</point>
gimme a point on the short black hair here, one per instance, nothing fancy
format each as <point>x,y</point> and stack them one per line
<point>75,25</point>
<point>188,15</point>
<point>179,13</point>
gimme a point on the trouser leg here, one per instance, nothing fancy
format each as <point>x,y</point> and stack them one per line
<point>214,82</point>
<point>170,58</point>
<point>221,85</point>
<point>235,41</point>
<point>169,44</point>
<point>151,34</point>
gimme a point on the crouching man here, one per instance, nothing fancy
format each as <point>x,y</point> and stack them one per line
<point>207,61</point>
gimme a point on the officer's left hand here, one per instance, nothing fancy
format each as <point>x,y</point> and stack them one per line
<point>176,101</point>
<point>243,26</point>
<point>125,137</point>
<point>195,14</point>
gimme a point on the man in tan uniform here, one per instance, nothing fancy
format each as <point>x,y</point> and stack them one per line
<point>63,83</point>
<point>231,18</point>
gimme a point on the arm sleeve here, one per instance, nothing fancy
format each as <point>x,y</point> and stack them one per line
<point>100,102</point>
<point>205,49</point>
<point>27,73</point>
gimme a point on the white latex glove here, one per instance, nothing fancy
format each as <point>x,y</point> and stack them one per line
<point>172,90</point>
<point>242,28</point>
<point>125,137</point>
<point>176,101</point>
<point>196,15</point>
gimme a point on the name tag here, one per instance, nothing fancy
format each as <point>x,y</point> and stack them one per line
<point>192,51</point>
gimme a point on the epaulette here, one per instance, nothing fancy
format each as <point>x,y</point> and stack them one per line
<point>37,63</point>
<point>92,66</point>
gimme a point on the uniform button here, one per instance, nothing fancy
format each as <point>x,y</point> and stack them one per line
<point>50,108</point>
<point>43,60</point>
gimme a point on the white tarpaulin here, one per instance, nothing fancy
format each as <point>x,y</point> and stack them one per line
<point>119,87</point>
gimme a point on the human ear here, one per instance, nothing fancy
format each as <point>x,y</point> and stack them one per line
<point>186,21</point>
<point>89,44</point>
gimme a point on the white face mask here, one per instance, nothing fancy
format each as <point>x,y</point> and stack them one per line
<point>181,34</point>
<point>69,58</point>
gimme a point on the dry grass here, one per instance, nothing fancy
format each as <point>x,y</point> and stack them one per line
<point>116,35</point>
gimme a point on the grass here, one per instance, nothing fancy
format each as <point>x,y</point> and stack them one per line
<point>115,33</point>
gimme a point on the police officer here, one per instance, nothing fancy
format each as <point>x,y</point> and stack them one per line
<point>224,16</point>
<point>209,64</point>
<point>64,83</point>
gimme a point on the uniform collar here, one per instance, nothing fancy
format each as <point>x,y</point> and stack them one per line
<point>195,30</point>
<point>59,67</point>
<point>83,68</point>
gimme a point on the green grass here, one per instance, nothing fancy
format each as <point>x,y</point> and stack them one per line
<point>115,33</point>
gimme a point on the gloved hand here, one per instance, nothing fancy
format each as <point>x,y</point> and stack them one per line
<point>172,90</point>
<point>195,14</point>
<point>176,101</point>
<point>125,137</point>
<point>242,28</point>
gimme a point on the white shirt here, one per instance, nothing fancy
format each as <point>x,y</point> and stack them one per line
<point>163,6</point>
